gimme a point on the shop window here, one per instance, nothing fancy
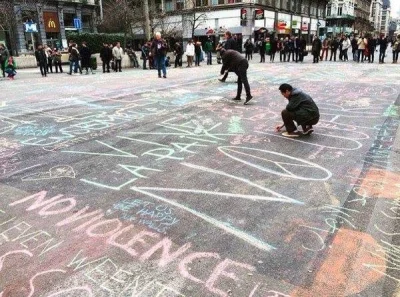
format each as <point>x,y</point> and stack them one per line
<point>169,6</point>
<point>180,5</point>
<point>200,3</point>
<point>69,19</point>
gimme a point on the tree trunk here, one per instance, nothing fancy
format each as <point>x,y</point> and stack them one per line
<point>146,19</point>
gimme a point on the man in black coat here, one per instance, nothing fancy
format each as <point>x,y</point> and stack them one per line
<point>85,58</point>
<point>230,44</point>
<point>106,56</point>
<point>233,61</point>
<point>383,43</point>
<point>41,60</point>
<point>316,48</point>
<point>334,48</point>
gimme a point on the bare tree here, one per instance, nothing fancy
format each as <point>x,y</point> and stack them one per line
<point>193,17</point>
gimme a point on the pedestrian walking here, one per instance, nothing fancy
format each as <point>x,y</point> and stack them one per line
<point>74,58</point>
<point>208,47</point>
<point>383,43</point>
<point>233,61</point>
<point>178,51</point>
<point>41,60</point>
<point>190,53</point>
<point>249,49</point>
<point>159,51</point>
<point>301,109</point>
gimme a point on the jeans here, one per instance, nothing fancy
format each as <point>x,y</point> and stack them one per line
<point>382,56</point>
<point>242,79</point>
<point>282,55</point>
<point>209,58</point>
<point>262,55</point>
<point>75,65</point>
<point>161,65</point>
<point>333,54</point>
<point>197,60</point>
<point>360,55</point>
<point>3,68</point>
<point>289,118</point>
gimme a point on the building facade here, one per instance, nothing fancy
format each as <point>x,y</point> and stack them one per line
<point>246,19</point>
<point>340,17</point>
<point>386,18</point>
<point>376,14</point>
<point>362,22</point>
<point>48,23</point>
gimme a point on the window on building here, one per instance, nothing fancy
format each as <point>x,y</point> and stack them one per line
<point>69,19</point>
<point>200,3</point>
<point>180,5</point>
<point>340,10</point>
<point>231,1</point>
<point>169,6</point>
<point>328,10</point>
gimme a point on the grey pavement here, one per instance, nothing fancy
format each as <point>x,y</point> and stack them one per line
<point>125,184</point>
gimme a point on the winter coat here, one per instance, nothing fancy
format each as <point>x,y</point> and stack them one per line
<point>190,49</point>
<point>303,107</point>
<point>4,54</point>
<point>230,44</point>
<point>159,48</point>
<point>231,60</point>
<point>197,48</point>
<point>316,47</point>
<point>41,56</point>
<point>74,55</point>
<point>346,44</point>
<point>383,43</point>
<point>85,56</point>
<point>249,47</point>
<point>178,49</point>
<point>274,46</point>
<point>208,46</point>
<point>361,44</point>
<point>117,53</point>
<point>105,53</point>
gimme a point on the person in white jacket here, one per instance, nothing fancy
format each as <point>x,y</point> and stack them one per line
<point>346,44</point>
<point>118,53</point>
<point>190,53</point>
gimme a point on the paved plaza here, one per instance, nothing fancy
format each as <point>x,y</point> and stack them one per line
<point>125,184</point>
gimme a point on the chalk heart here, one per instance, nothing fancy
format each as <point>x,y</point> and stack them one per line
<point>61,171</point>
<point>276,163</point>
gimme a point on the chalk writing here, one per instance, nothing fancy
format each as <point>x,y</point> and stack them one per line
<point>59,171</point>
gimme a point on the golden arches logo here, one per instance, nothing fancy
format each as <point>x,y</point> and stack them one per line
<point>51,24</point>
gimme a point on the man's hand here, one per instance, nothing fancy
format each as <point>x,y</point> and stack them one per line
<point>279,128</point>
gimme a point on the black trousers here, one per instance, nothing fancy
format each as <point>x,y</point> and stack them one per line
<point>242,79</point>
<point>272,58</point>
<point>262,56</point>
<point>296,52</point>
<point>371,56</point>
<point>382,56</point>
<point>316,58</point>
<point>360,55</point>
<point>289,118</point>
<point>3,68</point>
<point>178,60</point>
<point>333,54</point>
<point>43,68</point>
<point>118,65</point>
<point>282,55</point>
<point>49,65</point>
<point>57,64</point>
<point>106,63</point>
<point>249,56</point>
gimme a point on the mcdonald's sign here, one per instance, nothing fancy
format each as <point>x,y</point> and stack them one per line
<point>51,23</point>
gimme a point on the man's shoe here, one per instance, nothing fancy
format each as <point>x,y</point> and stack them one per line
<point>248,98</point>
<point>293,134</point>
<point>237,98</point>
<point>221,80</point>
<point>164,76</point>
<point>308,130</point>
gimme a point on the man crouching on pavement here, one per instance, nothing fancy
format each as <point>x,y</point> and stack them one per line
<point>301,108</point>
<point>235,62</point>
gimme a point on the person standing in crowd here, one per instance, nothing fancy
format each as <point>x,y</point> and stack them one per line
<point>144,54</point>
<point>286,49</point>
<point>281,49</point>
<point>178,51</point>
<point>105,56</point>
<point>354,48</point>
<point>371,49</point>
<point>383,43</point>
<point>361,49</point>
<point>4,54</point>
<point>49,56</point>
<point>316,49</point>
<point>10,67</point>
<point>274,48</point>
<point>301,109</point>
<point>159,50</point>
<point>230,44</point>
<point>261,48</point>
<point>248,48</point>
<point>208,46</point>
<point>303,49</point>
<point>290,46</point>
<point>197,52</point>
<point>325,46</point>
<point>341,48</point>
<point>57,60</point>
<point>85,58</point>
<point>41,60</point>
<point>334,47</point>
<point>395,49</point>
<point>233,61</point>
<point>346,44</point>
<point>74,60</point>
<point>190,53</point>
<point>118,54</point>
<point>297,48</point>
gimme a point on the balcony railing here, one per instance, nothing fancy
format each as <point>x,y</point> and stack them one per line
<point>343,16</point>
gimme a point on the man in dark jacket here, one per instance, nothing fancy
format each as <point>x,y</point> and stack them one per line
<point>159,52</point>
<point>230,44</point>
<point>106,56</point>
<point>301,108</point>
<point>383,43</point>
<point>4,54</point>
<point>85,58</point>
<point>178,50</point>
<point>41,60</point>
<point>334,48</point>
<point>233,61</point>
<point>316,48</point>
